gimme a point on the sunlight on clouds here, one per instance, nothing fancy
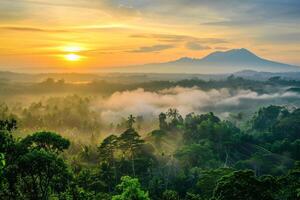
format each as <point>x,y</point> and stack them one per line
<point>102,31</point>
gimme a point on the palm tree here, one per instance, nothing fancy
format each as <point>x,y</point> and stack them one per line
<point>173,113</point>
<point>130,121</point>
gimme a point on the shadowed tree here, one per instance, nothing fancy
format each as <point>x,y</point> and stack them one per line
<point>241,185</point>
<point>107,150</point>
<point>8,125</point>
<point>2,164</point>
<point>173,114</point>
<point>170,195</point>
<point>130,121</point>
<point>42,172</point>
<point>162,121</point>
<point>175,118</point>
<point>129,142</point>
<point>48,141</point>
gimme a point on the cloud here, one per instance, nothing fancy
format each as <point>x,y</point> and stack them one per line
<point>179,38</point>
<point>154,48</point>
<point>10,11</point>
<point>112,7</point>
<point>290,37</point>
<point>221,48</point>
<point>149,104</point>
<point>195,46</point>
<point>31,29</point>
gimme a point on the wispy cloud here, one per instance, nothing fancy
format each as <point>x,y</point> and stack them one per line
<point>195,46</point>
<point>154,48</point>
<point>31,29</point>
<point>179,38</point>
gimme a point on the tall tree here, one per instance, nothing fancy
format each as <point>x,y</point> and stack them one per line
<point>163,125</point>
<point>130,121</point>
<point>107,151</point>
<point>130,141</point>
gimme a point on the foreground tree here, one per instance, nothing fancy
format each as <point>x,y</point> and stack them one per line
<point>48,141</point>
<point>42,172</point>
<point>130,189</point>
<point>34,169</point>
<point>241,185</point>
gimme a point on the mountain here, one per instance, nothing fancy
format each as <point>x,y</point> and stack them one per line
<point>218,62</point>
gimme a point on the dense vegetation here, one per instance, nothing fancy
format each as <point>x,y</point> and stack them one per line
<point>195,157</point>
<point>110,85</point>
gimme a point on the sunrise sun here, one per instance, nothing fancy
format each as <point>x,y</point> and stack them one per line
<point>72,52</point>
<point>72,57</point>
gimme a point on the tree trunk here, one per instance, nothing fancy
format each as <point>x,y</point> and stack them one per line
<point>132,163</point>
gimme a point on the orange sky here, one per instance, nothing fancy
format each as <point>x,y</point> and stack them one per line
<point>84,35</point>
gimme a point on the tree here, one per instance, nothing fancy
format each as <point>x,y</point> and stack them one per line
<point>130,189</point>
<point>207,180</point>
<point>197,155</point>
<point>46,140</point>
<point>170,195</point>
<point>8,125</point>
<point>107,150</point>
<point>267,117</point>
<point>290,184</point>
<point>2,164</point>
<point>173,114</point>
<point>175,118</point>
<point>158,136</point>
<point>130,141</point>
<point>42,172</point>
<point>241,185</point>
<point>163,125</point>
<point>130,121</point>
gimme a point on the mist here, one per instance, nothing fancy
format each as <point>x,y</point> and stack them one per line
<point>187,100</point>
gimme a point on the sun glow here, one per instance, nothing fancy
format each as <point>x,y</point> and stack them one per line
<point>72,49</point>
<point>72,52</point>
<point>72,57</point>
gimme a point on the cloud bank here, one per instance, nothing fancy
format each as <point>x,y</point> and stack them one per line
<point>187,100</point>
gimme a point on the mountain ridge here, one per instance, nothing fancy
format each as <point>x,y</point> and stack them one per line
<point>229,61</point>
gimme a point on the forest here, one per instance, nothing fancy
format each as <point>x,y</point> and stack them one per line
<point>188,139</point>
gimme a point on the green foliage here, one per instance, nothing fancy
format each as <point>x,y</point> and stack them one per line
<point>208,179</point>
<point>242,185</point>
<point>194,158</point>
<point>290,184</point>
<point>46,140</point>
<point>267,117</point>
<point>8,125</point>
<point>60,113</point>
<point>2,164</point>
<point>130,189</point>
<point>170,195</point>
<point>197,155</point>
<point>42,171</point>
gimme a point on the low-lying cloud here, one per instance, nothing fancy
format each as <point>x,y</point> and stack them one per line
<point>187,100</point>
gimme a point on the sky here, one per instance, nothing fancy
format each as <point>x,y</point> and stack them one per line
<point>87,35</point>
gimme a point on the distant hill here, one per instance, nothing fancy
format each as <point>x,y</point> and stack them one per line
<point>217,62</point>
